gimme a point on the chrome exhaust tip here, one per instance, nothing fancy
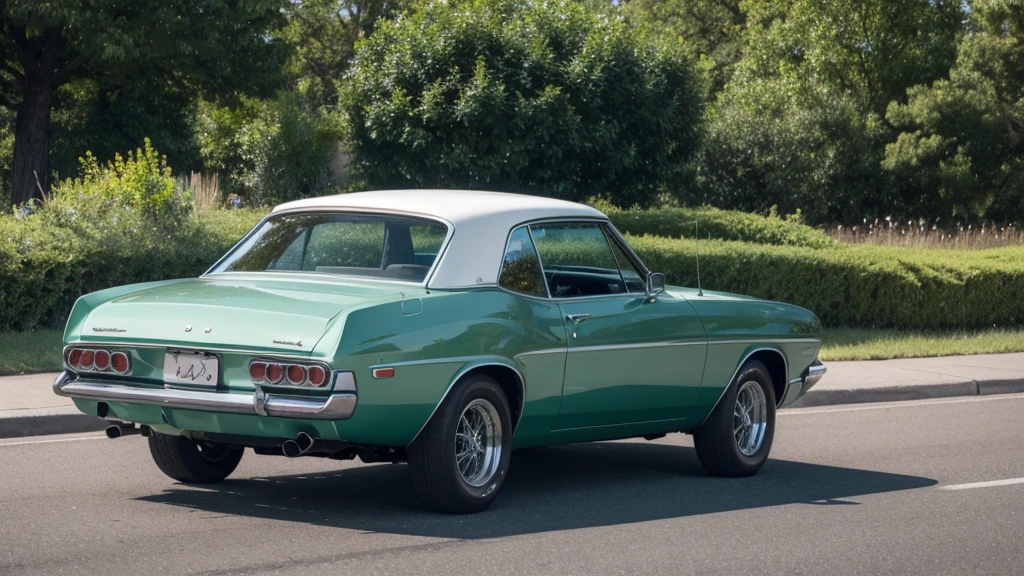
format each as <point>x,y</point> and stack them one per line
<point>126,429</point>
<point>302,444</point>
<point>291,449</point>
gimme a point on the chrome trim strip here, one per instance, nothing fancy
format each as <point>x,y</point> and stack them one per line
<point>541,352</point>
<point>640,345</point>
<point>543,276</point>
<point>785,364</point>
<point>455,380</point>
<point>259,352</point>
<point>761,340</point>
<point>333,407</point>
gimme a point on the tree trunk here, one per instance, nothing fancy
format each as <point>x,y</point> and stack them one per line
<point>31,178</point>
<point>32,145</point>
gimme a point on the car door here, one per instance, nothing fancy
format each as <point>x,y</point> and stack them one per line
<point>632,357</point>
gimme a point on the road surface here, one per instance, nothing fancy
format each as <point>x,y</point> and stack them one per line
<point>931,487</point>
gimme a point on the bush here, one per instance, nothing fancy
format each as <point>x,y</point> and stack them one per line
<point>142,182</point>
<point>268,151</point>
<point>50,258</point>
<point>717,224</point>
<point>865,286</point>
<point>521,95</point>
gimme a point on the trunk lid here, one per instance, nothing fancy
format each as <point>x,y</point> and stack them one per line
<point>285,313</point>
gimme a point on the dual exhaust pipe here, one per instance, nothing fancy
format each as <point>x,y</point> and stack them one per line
<point>120,429</point>
<point>300,446</point>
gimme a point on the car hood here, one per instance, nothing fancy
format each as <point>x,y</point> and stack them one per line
<point>240,312</point>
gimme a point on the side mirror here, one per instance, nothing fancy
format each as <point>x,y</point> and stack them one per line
<point>655,283</point>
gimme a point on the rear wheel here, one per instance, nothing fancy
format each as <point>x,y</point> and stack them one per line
<point>736,438</point>
<point>193,462</point>
<point>460,459</point>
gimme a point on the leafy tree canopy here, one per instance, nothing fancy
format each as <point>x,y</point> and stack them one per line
<point>217,47</point>
<point>962,137</point>
<point>521,95</point>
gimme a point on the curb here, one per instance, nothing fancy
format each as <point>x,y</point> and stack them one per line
<point>68,420</point>
<point>47,421</point>
<point>902,393</point>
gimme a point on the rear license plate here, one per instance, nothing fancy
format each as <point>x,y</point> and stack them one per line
<point>188,368</point>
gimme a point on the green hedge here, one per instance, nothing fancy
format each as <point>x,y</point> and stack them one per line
<point>717,224</point>
<point>48,260</point>
<point>857,285</point>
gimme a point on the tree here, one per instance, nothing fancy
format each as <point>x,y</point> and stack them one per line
<point>961,143</point>
<point>711,31</point>
<point>521,95</point>
<point>216,46</point>
<point>324,34</point>
<point>801,123</point>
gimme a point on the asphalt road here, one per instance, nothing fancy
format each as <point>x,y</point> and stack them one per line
<point>867,489</point>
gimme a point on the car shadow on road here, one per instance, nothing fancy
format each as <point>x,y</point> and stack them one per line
<point>558,488</point>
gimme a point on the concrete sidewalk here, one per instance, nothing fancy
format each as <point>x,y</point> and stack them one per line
<point>28,406</point>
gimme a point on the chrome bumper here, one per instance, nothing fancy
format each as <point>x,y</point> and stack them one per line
<point>337,406</point>
<point>797,387</point>
<point>813,373</point>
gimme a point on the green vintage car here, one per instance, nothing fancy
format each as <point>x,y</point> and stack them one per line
<point>444,329</point>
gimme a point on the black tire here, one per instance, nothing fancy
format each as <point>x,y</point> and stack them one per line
<point>715,441</point>
<point>187,461</point>
<point>432,457</point>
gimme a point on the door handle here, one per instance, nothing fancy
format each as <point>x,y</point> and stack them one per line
<point>576,318</point>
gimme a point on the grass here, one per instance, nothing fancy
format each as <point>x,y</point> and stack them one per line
<point>866,344</point>
<point>27,352</point>
<point>917,234</point>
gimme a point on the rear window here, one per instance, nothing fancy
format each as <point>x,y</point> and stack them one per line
<point>368,245</point>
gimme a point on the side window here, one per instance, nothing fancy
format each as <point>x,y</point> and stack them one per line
<point>635,281</point>
<point>520,271</point>
<point>577,259</point>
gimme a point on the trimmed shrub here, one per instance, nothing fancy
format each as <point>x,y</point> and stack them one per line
<point>717,224</point>
<point>857,285</point>
<point>49,259</point>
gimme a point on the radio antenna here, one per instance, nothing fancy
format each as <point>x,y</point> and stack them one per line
<point>696,235</point>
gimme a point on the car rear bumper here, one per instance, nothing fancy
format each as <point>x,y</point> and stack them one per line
<point>339,405</point>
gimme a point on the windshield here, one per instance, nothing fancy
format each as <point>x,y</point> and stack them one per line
<point>371,245</point>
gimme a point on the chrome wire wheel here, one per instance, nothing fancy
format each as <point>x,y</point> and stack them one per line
<point>478,443</point>
<point>749,418</point>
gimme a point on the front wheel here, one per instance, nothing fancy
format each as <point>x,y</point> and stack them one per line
<point>460,459</point>
<point>193,462</point>
<point>736,438</point>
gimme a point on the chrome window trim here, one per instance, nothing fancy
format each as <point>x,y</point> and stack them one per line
<point>501,267</point>
<point>600,226</point>
<point>441,251</point>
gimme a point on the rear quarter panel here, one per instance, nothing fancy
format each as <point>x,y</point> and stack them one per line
<point>433,339</point>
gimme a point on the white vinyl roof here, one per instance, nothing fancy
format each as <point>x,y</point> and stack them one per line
<point>481,221</point>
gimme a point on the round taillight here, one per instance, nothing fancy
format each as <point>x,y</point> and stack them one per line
<point>119,362</point>
<point>317,376</point>
<point>101,360</point>
<point>296,374</point>
<point>257,371</point>
<point>75,357</point>
<point>87,359</point>
<point>275,373</point>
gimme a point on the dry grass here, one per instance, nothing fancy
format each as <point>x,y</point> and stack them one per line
<point>922,235</point>
<point>205,191</point>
